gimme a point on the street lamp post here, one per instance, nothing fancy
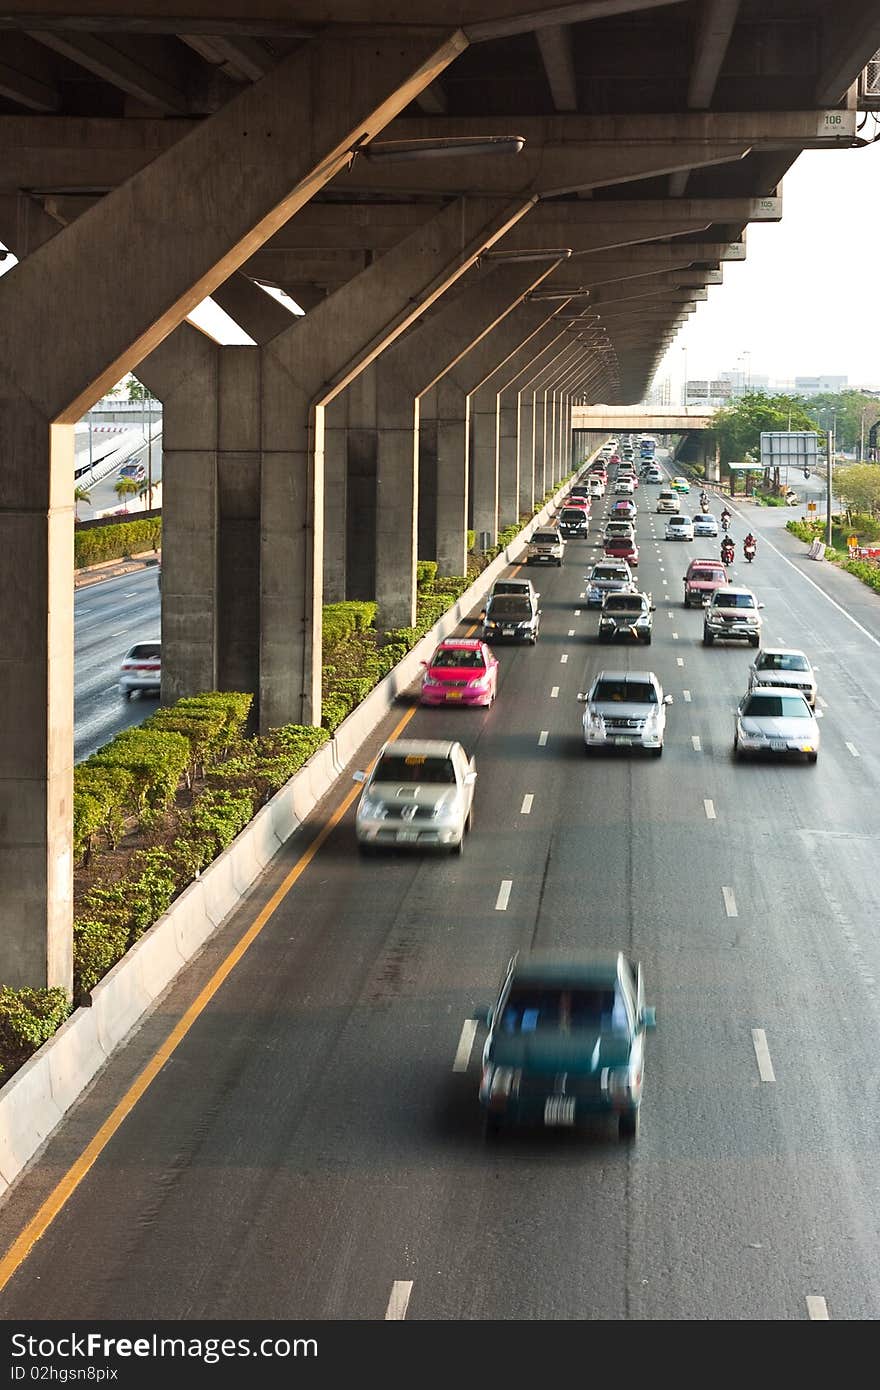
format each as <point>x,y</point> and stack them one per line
<point>829,467</point>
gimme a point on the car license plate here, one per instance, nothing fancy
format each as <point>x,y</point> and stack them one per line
<point>407,836</point>
<point>559,1110</point>
<point>778,745</point>
<point>507,631</point>
<point>623,738</point>
<point>453,694</point>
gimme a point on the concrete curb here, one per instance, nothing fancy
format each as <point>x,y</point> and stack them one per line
<point>36,1098</point>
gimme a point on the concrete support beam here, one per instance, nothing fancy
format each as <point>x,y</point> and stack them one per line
<point>554,43</point>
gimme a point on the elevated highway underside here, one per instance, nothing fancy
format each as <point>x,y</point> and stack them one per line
<point>488,211</point>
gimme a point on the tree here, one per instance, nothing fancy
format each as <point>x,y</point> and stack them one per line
<point>859,488</point>
<point>737,428</point>
<point>853,410</point>
<point>137,391</point>
<point>80,494</point>
<point>125,487</point>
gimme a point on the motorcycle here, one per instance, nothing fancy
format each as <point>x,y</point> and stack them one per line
<point>704,502</point>
<point>749,551</point>
<point>727,554</point>
<point>725,521</point>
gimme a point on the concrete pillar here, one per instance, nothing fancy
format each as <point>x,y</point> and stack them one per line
<point>36,738</point>
<point>427,366</point>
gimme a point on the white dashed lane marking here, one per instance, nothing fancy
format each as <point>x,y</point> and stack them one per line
<point>542,737</point>
<point>709,808</point>
<point>465,1043</point>
<point>697,745</point>
<point>563,659</point>
<point>817,1308</point>
<point>554,693</point>
<point>819,700</point>
<point>762,1053</point>
<point>503,895</point>
<point>729,902</point>
<point>526,807</point>
<point>577,612</point>
<point>855,752</point>
<point>571,632</point>
<point>686,694</point>
<point>399,1300</point>
<point>675,636</point>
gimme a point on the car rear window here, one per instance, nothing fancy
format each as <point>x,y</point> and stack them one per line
<point>723,599</point>
<point>413,768</point>
<point>782,661</point>
<point>623,603</point>
<point>145,651</point>
<point>531,1009</point>
<point>626,692</point>
<point>508,606</point>
<point>605,572</point>
<point>468,657</point>
<point>777,707</point>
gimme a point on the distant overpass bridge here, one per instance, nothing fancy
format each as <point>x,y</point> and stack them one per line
<point>615,417</point>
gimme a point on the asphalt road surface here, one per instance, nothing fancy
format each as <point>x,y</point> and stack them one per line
<point>109,617</point>
<point>309,1150</point>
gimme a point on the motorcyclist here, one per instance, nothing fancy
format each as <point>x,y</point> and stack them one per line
<point>727,550</point>
<point>725,518</point>
<point>750,544</point>
<point>704,501</point>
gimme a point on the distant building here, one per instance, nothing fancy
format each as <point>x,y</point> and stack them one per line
<point>820,385</point>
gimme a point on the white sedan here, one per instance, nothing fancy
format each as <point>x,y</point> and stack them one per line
<point>679,528</point>
<point>775,719</point>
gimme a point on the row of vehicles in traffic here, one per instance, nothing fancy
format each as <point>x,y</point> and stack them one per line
<point>565,1035</point>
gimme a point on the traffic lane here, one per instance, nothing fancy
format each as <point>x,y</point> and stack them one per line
<point>755,817</point>
<point>109,617</point>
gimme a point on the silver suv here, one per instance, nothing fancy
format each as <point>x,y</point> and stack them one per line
<point>625,709</point>
<point>419,796</point>
<point>546,547</point>
<point>732,615</point>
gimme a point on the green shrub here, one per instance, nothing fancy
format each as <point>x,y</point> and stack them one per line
<point>471,540</point>
<point>101,798</point>
<point>390,656</point>
<point>156,761</point>
<point>235,706</point>
<point>334,708</point>
<point>426,573</point>
<point>343,620</point>
<point>865,570</point>
<point>216,819</point>
<point>205,729</point>
<point>98,943</point>
<point>115,542</point>
<point>28,1017</point>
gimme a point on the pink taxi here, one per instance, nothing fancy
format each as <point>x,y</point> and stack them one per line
<point>462,671</point>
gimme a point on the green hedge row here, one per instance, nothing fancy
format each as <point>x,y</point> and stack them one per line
<point>28,1018</point>
<point>115,542</point>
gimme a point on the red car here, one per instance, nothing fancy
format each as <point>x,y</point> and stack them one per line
<point>462,671</point>
<point>622,548</point>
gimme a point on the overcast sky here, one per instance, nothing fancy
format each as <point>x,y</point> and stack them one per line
<point>805,300</point>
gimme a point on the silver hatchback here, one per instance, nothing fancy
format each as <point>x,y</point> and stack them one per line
<point>419,795</point>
